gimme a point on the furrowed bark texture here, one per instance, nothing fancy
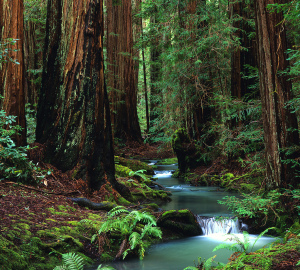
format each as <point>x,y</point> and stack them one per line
<point>73,118</point>
<point>280,125</point>
<point>121,75</point>
<point>12,74</point>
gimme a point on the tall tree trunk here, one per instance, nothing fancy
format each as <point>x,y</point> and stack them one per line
<point>155,74</point>
<point>12,73</point>
<point>280,125</point>
<point>73,118</point>
<point>121,75</point>
<point>240,14</point>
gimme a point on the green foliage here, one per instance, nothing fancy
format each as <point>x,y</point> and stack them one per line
<point>139,173</point>
<point>134,226</point>
<point>204,264</point>
<point>267,207</point>
<point>14,164</point>
<point>30,122</point>
<point>6,46</point>
<point>253,205</point>
<point>73,261</point>
<point>241,245</point>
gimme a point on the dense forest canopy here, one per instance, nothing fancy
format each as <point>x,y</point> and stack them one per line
<point>215,80</point>
<point>223,71</point>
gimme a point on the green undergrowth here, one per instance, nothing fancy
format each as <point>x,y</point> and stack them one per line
<point>34,246</point>
<point>247,182</point>
<point>167,161</point>
<point>134,164</point>
<point>137,176</point>
<point>283,253</point>
<point>277,255</point>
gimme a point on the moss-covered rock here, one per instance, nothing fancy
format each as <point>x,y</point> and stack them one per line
<point>167,161</point>
<point>134,165</point>
<point>189,155</point>
<point>180,222</point>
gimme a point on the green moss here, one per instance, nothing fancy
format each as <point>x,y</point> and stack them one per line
<point>167,161</point>
<point>73,222</point>
<point>53,211</point>
<point>134,165</point>
<point>10,259</point>
<point>51,220</point>
<point>62,208</point>
<point>122,171</point>
<point>168,213</point>
<point>123,201</point>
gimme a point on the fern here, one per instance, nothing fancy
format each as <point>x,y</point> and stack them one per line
<point>71,261</point>
<point>242,246</point>
<point>208,263</point>
<point>139,173</point>
<point>117,211</point>
<point>135,226</point>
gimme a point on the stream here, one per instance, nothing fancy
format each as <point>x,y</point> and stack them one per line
<point>202,201</point>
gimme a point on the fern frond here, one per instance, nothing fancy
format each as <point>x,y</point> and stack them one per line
<point>245,245</point>
<point>62,267</point>
<point>208,263</point>
<point>73,261</point>
<point>261,234</point>
<point>191,268</point>
<point>94,237</point>
<point>117,211</point>
<point>141,252</point>
<point>233,247</point>
<point>149,219</point>
<point>135,240</point>
<point>149,230</point>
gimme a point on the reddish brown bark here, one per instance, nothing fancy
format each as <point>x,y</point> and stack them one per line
<point>12,74</point>
<point>280,125</point>
<point>73,117</point>
<point>121,75</point>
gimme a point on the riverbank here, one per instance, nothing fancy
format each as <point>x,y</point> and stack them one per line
<point>39,223</point>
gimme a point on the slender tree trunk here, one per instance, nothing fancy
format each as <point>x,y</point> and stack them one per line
<point>73,118</point>
<point>145,87</point>
<point>155,75</point>
<point>280,125</point>
<point>12,74</point>
<point>121,75</point>
<point>33,60</point>
<point>240,14</point>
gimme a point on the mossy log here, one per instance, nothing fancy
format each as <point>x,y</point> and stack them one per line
<point>181,222</point>
<point>107,206</point>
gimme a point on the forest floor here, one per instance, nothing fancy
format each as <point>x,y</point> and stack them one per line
<point>38,205</point>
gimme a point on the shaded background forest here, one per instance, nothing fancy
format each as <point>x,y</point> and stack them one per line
<point>85,77</point>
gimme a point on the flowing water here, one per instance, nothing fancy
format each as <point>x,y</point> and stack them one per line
<point>202,201</point>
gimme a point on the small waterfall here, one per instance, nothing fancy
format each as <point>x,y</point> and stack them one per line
<point>163,174</point>
<point>220,226</point>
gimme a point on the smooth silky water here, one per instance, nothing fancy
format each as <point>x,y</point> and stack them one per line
<point>178,254</point>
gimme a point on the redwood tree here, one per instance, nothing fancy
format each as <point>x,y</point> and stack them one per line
<point>12,71</point>
<point>121,75</point>
<point>73,118</point>
<point>280,125</point>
